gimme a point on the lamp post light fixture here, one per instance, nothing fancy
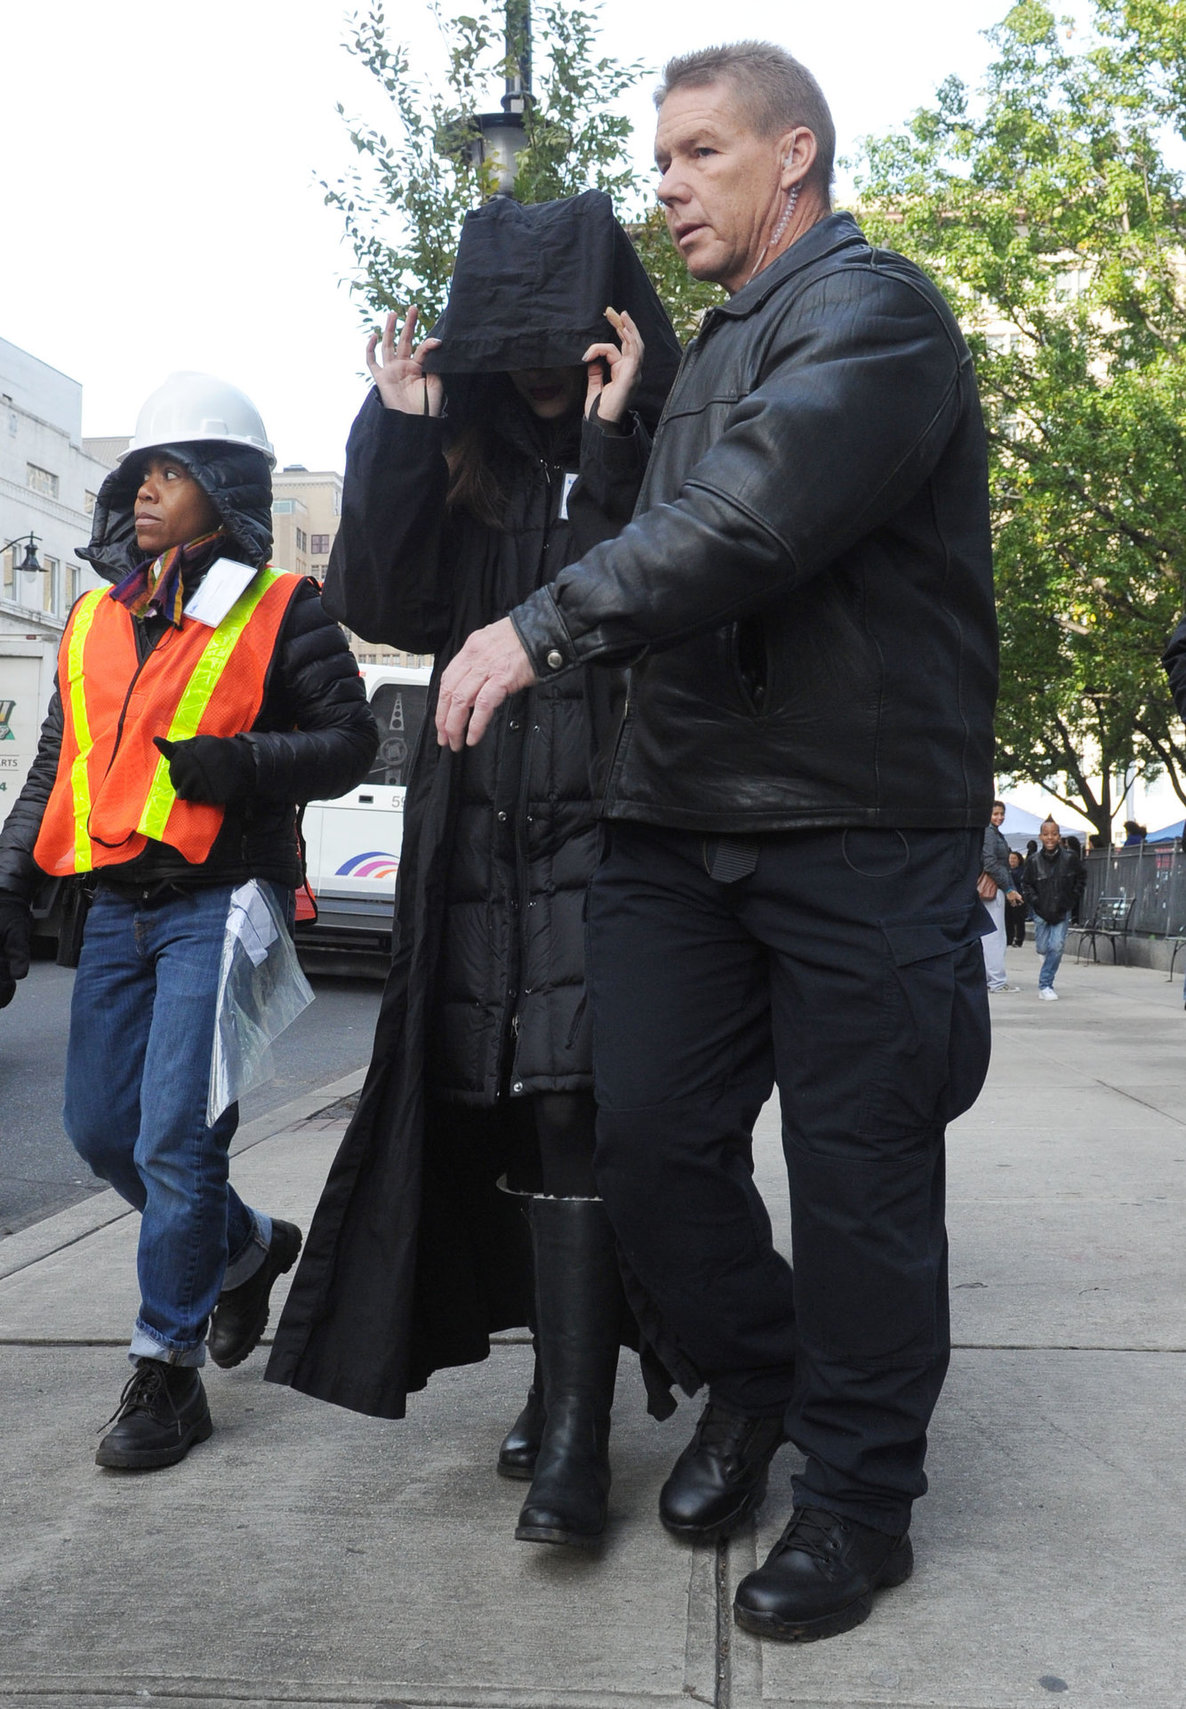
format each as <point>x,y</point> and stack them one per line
<point>31,566</point>
<point>496,140</point>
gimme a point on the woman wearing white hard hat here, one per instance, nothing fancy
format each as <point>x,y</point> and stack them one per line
<point>198,700</point>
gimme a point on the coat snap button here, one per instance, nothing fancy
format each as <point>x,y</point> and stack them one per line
<point>554,660</point>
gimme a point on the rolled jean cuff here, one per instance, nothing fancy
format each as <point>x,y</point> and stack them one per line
<point>243,1264</point>
<point>147,1344</point>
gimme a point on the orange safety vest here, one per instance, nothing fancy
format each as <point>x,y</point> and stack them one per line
<point>112,794</point>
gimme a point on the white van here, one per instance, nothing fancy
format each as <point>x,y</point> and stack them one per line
<point>352,845</point>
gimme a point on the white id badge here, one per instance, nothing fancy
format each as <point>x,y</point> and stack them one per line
<point>221,586</point>
<point>570,482</point>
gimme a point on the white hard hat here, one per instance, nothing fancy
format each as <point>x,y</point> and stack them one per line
<point>191,407</point>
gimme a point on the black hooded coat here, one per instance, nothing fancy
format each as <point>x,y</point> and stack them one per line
<point>414,1257</point>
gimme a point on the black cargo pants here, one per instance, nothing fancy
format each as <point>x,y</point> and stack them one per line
<point>846,968</point>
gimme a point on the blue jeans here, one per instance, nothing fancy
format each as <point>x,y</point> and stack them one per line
<point>137,1076</point>
<point>1049,941</point>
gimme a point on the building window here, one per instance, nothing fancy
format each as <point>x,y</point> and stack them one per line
<point>319,545</point>
<point>302,540</point>
<point>73,581</point>
<point>282,507</point>
<point>41,480</point>
<point>88,503</point>
<point>51,592</point>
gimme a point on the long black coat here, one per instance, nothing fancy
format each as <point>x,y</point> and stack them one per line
<point>414,1257</point>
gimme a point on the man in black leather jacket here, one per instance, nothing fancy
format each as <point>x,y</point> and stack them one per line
<point>787,892</point>
<point>197,701</point>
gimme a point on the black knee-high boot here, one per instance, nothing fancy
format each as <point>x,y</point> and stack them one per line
<point>520,1445</point>
<point>579,1304</point>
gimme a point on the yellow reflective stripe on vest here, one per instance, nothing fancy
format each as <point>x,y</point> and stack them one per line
<point>196,698</point>
<point>80,788</point>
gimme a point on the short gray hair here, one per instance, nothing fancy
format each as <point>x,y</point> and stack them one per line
<point>779,92</point>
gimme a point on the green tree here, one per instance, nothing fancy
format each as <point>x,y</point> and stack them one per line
<point>418,174</point>
<point>1047,210</point>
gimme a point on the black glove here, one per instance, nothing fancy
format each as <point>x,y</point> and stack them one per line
<point>217,769</point>
<point>16,931</point>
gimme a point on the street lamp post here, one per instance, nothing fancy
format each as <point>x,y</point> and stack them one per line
<point>502,136</point>
<point>31,565</point>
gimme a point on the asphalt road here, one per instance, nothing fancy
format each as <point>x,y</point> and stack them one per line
<point>39,1170</point>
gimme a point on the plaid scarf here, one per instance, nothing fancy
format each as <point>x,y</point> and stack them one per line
<point>158,586</point>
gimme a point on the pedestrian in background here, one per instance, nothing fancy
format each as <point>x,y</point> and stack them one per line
<point>996,888</point>
<point>1052,882</point>
<point>1016,912</point>
<point>1076,848</point>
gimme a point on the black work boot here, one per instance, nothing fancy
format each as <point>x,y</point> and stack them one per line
<point>241,1314</point>
<point>819,1578</point>
<point>720,1478</point>
<point>520,1445</point>
<point>161,1414</point>
<point>579,1307</point>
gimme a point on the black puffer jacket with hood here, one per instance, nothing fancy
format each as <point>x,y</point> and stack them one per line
<point>518,832</point>
<point>413,1259</point>
<point>314,736</point>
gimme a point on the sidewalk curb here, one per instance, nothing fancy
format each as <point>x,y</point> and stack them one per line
<point>65,1228</point>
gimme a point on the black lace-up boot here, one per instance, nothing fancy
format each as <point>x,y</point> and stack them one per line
<point>520,1445</point>
<point>161,1414</point>
<point>579,1307</point>
<point>720,1478</point>
<point>819,1578</point>
<point>241,1314</point>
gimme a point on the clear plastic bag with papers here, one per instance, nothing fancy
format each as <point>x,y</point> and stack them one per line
<point>261,990</point>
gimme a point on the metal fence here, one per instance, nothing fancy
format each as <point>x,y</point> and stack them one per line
<point>1153,875</point>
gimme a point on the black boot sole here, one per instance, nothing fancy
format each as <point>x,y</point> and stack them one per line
<point>523,1471</point>
<point>558,1534</point>
<point>896,1571</point>
<point>720,1528</point>
<point>153,1459</point>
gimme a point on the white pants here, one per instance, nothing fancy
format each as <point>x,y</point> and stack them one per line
<point>994,944</point>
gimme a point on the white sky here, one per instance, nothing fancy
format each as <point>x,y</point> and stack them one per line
<point>159,206</point>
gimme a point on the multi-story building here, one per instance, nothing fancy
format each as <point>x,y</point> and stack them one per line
<point>306,510</point>
<point>49,477</point>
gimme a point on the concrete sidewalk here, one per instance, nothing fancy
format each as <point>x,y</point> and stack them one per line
<point>308,1556</point>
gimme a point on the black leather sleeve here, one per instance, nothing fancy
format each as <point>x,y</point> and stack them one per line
<point>19,873</point>
<point>316,736</point>
<point>389,576</point>
<point>859,391</point>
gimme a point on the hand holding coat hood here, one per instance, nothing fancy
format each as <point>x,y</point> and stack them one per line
<point>531,287</point>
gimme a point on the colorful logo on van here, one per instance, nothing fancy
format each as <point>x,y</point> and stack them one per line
<point>374,864</point>
<point>7,708</point>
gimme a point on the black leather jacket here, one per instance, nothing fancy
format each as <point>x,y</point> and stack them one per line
<point>1053,883</point>
<point>805,594</point>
